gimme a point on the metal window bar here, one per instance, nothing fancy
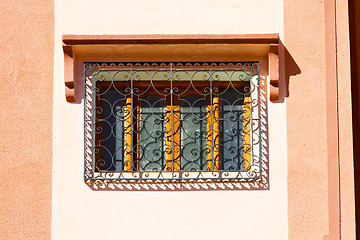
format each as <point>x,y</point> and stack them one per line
<point>226,102</point>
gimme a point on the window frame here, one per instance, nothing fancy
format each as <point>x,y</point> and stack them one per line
<point>254,174</point>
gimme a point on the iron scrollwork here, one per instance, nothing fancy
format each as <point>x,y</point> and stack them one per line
<point>151,122</point>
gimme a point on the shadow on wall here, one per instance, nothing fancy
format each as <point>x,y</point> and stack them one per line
<point>79,87</point>
<point>291,69</point>
<point>103,185</point>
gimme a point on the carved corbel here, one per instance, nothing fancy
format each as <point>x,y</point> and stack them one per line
<point>69,73</point>
<point>273,58</point>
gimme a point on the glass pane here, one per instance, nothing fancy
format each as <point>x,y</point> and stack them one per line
<point>109,137</point>
<point>151,134</point>
<point>134,120</point>
<point>193,133</point>
<point>233,134</point>
<point>119,138</point>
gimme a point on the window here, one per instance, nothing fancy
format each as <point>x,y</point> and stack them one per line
<point>172,121</point>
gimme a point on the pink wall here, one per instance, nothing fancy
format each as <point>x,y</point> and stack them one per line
<point>320,173</point>
<point>320,193</point>
<point>26,47</point>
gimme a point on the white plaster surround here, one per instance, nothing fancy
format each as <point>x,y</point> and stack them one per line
<point>81,213</point>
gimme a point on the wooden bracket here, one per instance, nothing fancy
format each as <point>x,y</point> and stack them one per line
<point>69,73</point>
<point>273,58</point>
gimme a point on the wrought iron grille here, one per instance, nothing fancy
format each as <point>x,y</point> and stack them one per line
<point>173,121</point>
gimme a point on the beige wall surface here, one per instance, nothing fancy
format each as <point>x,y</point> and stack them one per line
<point>26,50</point>
<point>81,213</point>
<point>320,167</point>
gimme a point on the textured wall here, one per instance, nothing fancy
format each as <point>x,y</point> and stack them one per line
<point>26,47</point>
<point>307,126</point>
<point>320,176</point>
<point>26,77</point>
<point>82,213</point>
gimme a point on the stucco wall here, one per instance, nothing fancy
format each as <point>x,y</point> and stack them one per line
<point>26,49</point>
<point>82,213</point>
<point>309,129</point>
<point>320,170</point>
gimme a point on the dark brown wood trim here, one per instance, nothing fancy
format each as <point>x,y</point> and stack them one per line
<point>272,38</point>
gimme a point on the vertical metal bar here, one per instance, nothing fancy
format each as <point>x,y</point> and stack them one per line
<point>136,160</point>
<point>259,119</point>
<point>128,127</point>
<point>85,120</point>
<point>213,116</point>
<point>247,128</point>
<point>93,107</point>
<point>216,134</point>
<point>132,117</point>
<point>171,120</point>
<point>211,123</point>
<point>173,116</point>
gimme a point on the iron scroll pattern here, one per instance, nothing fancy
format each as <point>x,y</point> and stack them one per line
<point>175,123</point>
